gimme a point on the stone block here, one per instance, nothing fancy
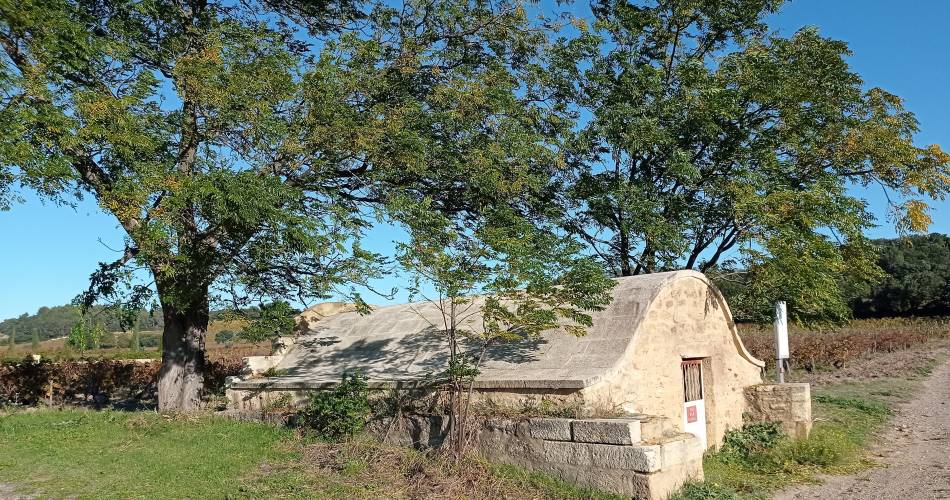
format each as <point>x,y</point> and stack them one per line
<point>654,427</point>
<point>630,458</point>
<point>565,452</point>
<point>550,429</point>
<point>256,365</point>
<point>639,458</point>
<point>681,449</point>
<point>623,431</point>
<point>787,404</point>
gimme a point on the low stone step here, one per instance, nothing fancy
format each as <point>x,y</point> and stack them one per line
<point>623,431</point>
<point>654,427</point>
<point>550,429</point>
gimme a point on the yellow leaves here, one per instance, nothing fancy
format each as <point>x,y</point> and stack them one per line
<point>198,73</point>
<point>123,207</point>
<point>938,154</point>
<point>579,24</point>
<point>916,218</point>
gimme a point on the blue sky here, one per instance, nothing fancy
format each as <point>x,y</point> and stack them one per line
<point>48,251</point>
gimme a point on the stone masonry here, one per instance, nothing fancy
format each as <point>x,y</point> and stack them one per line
<point>786,404</point>
<point>607,454</point>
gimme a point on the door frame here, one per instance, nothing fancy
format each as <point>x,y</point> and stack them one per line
<point>694,408</point>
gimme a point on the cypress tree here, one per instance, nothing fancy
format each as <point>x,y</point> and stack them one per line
<point>36,340</point>
<point>136,340</point>
<point>12,340</point>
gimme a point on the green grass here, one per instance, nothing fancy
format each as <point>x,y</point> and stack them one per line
<point>551,486</point>
<point>57,454</point>
<point>88,454</point>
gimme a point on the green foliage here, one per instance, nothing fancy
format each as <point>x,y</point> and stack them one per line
<point>273,320</point>
<point>339,412</point>
<point>917,278</point>
<point>226,336</point>
<point>824,449</point>
<point>150,340</point>
<point>701,490</point>
<point>84,336</point>
<point>752,440</point>
<point>502,278</point>
<point>243,161</point>
<point>718,145</point>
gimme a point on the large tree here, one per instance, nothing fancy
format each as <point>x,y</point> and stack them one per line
<point>709,143</point>
<point>243,147</point>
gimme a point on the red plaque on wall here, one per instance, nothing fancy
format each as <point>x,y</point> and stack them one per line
<point>690,414</point>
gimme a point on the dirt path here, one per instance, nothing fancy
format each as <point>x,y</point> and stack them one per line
<point>914,453</point>
<point>9,492</point>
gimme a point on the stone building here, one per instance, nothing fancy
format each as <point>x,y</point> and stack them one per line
<point>664,357</point>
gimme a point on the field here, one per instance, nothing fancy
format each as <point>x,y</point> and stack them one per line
<point>58,349</point>
<point>144,454</point>
<point>843,353</point>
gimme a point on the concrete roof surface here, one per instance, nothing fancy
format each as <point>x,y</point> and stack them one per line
<point>403,343</point>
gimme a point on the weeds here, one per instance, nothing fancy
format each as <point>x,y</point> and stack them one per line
<point>868,407</point>
<point>701,490</point>
<point>339,412</point>
<point>275,372</point>
<point>743,445</point>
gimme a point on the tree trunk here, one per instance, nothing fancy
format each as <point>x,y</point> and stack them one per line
<point>624,254</point>
<point>181,378</point>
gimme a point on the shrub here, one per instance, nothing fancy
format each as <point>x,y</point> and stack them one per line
<point>750,443</point>
<point>225,337</point>
<point>150,340</point>
<point>96,382</point>
<point>339,412</point>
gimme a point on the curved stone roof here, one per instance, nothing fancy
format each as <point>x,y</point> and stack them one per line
<point>402,344</point>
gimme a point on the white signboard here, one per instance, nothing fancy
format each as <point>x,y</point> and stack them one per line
<point>781,331</point>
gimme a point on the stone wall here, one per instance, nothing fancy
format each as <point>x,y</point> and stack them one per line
<point>688,320</point>
<point>611,455</point>
<point>787,404</point>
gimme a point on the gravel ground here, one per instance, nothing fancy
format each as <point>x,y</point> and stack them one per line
<point>914,453</point>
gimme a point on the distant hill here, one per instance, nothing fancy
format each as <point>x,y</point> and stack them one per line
<point>56,321</point>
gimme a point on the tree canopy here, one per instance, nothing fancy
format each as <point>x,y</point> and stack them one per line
<point>714,144</point>
<point>244,147</point>
<point>917,280</point>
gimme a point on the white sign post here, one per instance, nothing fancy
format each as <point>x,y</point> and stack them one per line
<point>781,340</point>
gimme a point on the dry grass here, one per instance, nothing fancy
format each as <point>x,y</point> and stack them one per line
<point>363,468</point>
